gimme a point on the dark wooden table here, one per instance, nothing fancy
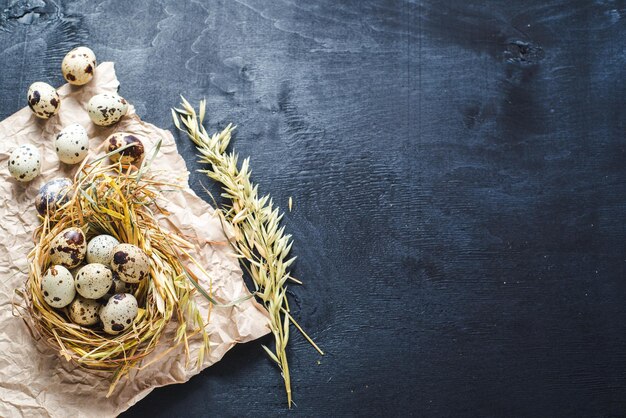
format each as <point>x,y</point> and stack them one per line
<point>458,178</point>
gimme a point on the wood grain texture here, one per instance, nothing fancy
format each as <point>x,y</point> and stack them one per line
<point>458,180</point>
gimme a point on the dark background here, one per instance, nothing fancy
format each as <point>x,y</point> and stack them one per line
<point>458,179</point>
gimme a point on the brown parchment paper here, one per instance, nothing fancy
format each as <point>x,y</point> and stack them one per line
<point>34,380</point>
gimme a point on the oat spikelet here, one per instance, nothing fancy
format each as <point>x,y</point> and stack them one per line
<point>260,241</point>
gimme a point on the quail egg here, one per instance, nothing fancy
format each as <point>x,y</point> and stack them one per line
<point>131,263</point>
<point>79,65</point>
<point>128,156</point>
<point>118,286</point>
<point>93,281</point>
<point>119,313</point>
<point>72,144</point>
<point>25,163</point>
<point>100,249</point>
<point>43,100</point>
<point>85,311</point>
<point>106,109</point>
<point>53,195</point>
<point>57,285</point>
<point>68,247</point>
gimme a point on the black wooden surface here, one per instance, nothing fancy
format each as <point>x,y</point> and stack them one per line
<point>458,179</point>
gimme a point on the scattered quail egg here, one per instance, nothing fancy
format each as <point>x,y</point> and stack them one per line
<point>85,311</point>
<point>100,249</point>
<point>119,313</point>
<point>118,286</point>
<point>68,247</point>
<point>43,100</point>
<point>79,65</point>
<point>131,155</point>
<point>131,263</point>
<point>53,195</point>
<point>24,163</point>
<point>57,285</point>
<point>72,144</point>
<point>93,281</point>
<point>106,109</point>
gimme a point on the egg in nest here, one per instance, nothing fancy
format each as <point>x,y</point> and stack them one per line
<point>68,247</point>
<point>119,313</point>
<point>131,263</point>
<point>84,311</point>
<point>53,195</point>
<point>93,281</point>
<point>132,155</point>
<point>57,286</point>
<point>100,249</point>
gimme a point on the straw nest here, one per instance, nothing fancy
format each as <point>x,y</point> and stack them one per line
<point>119,201</point>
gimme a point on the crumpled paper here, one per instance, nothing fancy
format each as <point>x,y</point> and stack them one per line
<point>34,380</point>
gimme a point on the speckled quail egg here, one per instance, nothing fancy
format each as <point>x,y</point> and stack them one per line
<point>100,249</point>
<point>119,286</point>
<point>93,281</point>
<point>85,311</point>
<point>119,313</point>
<point>131,155</point>
<point>57,285</point>
<point>53,195</point>
<point>25,163</point>
<point>43,100</point>
<point>68,248</point>
<point>72,144</point>
<point>79,65</point>
<point>106,109</point>
<point>131,263</point>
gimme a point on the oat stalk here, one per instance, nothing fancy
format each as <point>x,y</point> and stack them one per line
<point>260,241</point>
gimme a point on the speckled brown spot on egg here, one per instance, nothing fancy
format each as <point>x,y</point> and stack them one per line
<point>136,150</point>
<point>74,237</point>
<point>34,99</point>
<point>120,258</point>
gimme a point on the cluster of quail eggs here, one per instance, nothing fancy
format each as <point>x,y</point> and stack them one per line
<point>94,281</point>
<point>72,142</point>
